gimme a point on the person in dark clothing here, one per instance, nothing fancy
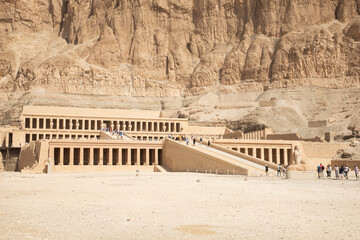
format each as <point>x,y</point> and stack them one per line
<point>194,140</point>
<point>341,171</point>
<point>208,143</point>
<point>266,169</point>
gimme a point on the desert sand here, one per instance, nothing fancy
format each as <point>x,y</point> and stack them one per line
<point>176,206</point>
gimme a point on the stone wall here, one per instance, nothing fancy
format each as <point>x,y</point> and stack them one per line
<point>270,103</point>
<point>181,158</point>
<point>315,124</point>
<point>350,163</point>
<point>34,157</point>
<point>316,153</point>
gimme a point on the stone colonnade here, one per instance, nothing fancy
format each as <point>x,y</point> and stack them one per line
<point>254,135</point>
<point>102,155</point>
<point>131,125</point>
<point>273,154</point>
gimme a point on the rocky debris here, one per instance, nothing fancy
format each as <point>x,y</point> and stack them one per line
<point>353,29</point>
<point>354,125</point>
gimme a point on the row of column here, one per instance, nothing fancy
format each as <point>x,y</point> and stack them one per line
<point>36,136</point>
<point>253,152</point>
<point>87,124</point>
<point>105,156</point>
<point>255,135</point>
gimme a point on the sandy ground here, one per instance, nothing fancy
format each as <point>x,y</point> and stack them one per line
<point>176,206</point>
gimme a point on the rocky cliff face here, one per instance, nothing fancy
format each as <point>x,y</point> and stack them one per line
<point>177,48</point>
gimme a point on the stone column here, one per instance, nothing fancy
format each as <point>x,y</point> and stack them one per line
<point>156,156</point>
<point>71,157</point>
<point>81,160</point>
<point>286,161</point>
<point>52,155</point>
<point>77,124</point>
<point>130,127</point>
<point>119,162</point>
<point>277,155</point>
<point>147,157</point>
<point>101,160</point>
<point>112,125</point>
<point>141,126</point>
<point>61,158</point>
<point>246,151</point>
<point>110,161</point>
<point>146,126</point>
<point>129,157</point>
<point>270,155</point>
<point>262,153</point>
<point>70,125</point>
<point>138,156</point>
<point>292,154</point>
<point>118,126</point>
<point>91,156</point>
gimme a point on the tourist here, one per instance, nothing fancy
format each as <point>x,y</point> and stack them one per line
<point>279,170</point>
<point>341,171</point>
<point>329,169</point>
<point>194,140</point>
<point>200,140</point>
<point>284,170</point>
<point>187,141</point>
<point>208,143</point>
<point>356,172</point>
<point>322,169</point>
<point>336,171</point>
<point>319,170</point>
<point>346,172</point>
<point>266,169</point>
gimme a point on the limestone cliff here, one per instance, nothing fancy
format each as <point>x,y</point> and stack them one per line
<point>176,48</point>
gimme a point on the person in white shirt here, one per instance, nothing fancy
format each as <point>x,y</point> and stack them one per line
<point>356,172</point>
<point>336,171</point>
<point>347,172</point>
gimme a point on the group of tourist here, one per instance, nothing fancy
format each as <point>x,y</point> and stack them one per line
<point>342,172</point>
<point>193,139</point>
<point>280,168</point>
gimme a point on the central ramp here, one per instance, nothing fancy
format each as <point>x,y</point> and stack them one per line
<point>179,157</point>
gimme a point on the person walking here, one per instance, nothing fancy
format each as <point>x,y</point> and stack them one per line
<point>356,172</point>
<point>346,172</point>
<point>329,171</point>
<point>341,171</point>
<point>319,170</point>
<point>208,143</point>
<point>194,140</point>
<point>284,170</point>
<point>266,169</point>
<point>322,169</point>
<point>336,171</point>
<point>279,170</point>
<point>187,141</point>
